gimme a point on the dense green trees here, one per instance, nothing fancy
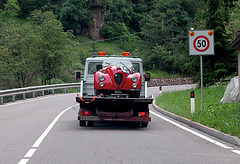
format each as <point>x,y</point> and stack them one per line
<point>224,62</point>
<point>37,49</point>
<point>36,46</point>
<point>166,25</point>
<point>75,16</point>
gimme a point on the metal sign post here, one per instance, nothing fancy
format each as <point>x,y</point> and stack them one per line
<point>201,42</point>
<point>201,68</point>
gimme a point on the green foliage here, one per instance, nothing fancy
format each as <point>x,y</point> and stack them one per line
<point>11,9</point>
<point>75,16</point>
<point>223,117</point>
<point>27,6</point>
<point>234,22</point>
<point>35,49</point>
<point>52,44</point>
<point>224,62</point>
<point>165,26</point>
<point>17,64</point>
<point>114,30</point>
<point>155,74</point>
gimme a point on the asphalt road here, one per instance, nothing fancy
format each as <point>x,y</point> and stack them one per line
<point>45,130</point>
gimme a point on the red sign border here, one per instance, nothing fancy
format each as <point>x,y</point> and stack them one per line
<point>201,36</point>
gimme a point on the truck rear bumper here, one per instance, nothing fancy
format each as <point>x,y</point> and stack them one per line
<point>97,118</point>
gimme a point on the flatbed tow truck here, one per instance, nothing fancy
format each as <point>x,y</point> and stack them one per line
<point>114,88</point>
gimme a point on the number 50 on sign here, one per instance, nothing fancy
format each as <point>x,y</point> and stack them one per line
<point>201,42</point>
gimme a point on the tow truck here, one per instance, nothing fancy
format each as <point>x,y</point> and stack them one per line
<point>114,88</point>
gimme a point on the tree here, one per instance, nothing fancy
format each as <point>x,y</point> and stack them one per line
<point>27,6</point>
<point>224,62</point>
<point>16,60</point>
<point>166,26</point>
<point>234,21</point>
<point>51,45</point>
<point>74,15</point>
<point>11,9</point>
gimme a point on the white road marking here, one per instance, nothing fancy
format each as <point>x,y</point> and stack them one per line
<point>196,133</point>
<point>44,134</point>
<point>31,151</point>
<point>23,161</point>
<point>35,99</point>
<point>191,131</point>
<point>236,151</point>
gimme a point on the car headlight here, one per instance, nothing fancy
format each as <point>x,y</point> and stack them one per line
<point>134,79</point>
<point>101,84</point>
<point>101,77</point>
<point>134,85</point>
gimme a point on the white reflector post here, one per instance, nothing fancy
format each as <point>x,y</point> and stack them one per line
<point>192,102</point>
<point>160,91</point>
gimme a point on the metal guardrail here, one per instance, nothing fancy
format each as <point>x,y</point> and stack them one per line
<point>24,91</point>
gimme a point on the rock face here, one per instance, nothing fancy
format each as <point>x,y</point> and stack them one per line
<point>98,20</point>
<point>168,82</point>
<point>232,91</point>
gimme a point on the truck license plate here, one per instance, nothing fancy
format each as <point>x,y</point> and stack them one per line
<point>90,118</point>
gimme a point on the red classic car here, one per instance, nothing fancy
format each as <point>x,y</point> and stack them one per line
<point>117,78</point>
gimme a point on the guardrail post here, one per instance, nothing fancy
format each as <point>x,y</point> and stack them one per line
<point>33,94</point>
<point>24,96</point>
<point>42,93</point>
<point>53,91</point>
<point>1,98</point>
<point>65,90</point>
<point>13,98</point>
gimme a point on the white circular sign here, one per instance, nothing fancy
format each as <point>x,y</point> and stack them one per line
<point>201,42</point>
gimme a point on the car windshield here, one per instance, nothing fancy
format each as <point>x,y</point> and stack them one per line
<point>116,63</point>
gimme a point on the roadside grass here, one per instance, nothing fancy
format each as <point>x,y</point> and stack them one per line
<point>221,116</point>
<point>162,75</point>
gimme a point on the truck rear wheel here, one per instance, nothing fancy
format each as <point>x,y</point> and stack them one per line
<point>142,124</point>
<point>82,123</point>
<point>90,123</point>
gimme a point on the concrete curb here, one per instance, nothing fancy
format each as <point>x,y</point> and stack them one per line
<point>213,132</point>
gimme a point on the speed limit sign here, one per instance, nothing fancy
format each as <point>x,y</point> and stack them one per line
<point>201,42</point>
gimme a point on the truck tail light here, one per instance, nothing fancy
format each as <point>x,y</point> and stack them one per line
<point>143,114</point>
<point>85,113</point>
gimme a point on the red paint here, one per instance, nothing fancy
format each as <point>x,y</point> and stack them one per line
<point>110,83</point>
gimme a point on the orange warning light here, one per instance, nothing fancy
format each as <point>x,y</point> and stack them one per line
<point>210,32</point>
<point>191,33</point>
<point>126,54</point>
<point>102,53</point>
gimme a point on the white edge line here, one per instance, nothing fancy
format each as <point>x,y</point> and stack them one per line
<point>44,134</point>
<point>191,131</point>
<point>30,153</point>
<point>23,161</point>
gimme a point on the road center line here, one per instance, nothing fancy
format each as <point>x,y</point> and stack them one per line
<point>236,151</point>
<point>44,134</point>
<point>191,131</point>
<point>31,151</point>
<point>23,161</point>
